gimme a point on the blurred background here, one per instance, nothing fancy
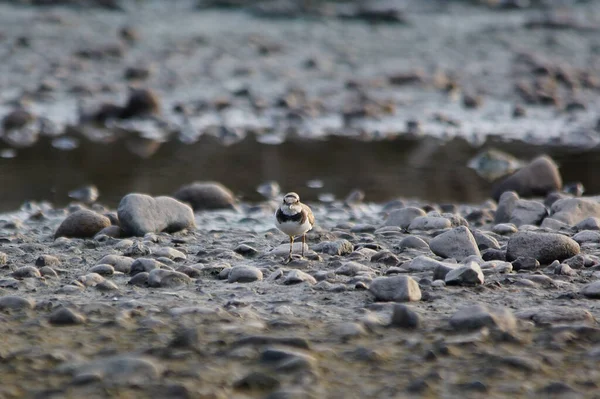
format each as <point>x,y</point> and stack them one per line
<point>421,99</point>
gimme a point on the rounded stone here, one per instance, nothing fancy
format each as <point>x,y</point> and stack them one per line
<point>82,224</point>
<point>457,243</point>
<point>206,195</point>
<point>545,247</point>
<point>244,274</point>
<point>65,316</point>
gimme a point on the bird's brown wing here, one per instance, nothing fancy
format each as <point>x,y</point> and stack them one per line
<point>309,215</point>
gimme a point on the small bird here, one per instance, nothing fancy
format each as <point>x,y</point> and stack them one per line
<point>294,219</point>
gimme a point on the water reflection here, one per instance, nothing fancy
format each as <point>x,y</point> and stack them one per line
<point>422,168</point>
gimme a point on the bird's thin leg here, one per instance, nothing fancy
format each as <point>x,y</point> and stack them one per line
<point>291,247</point>
<point>303,243</point>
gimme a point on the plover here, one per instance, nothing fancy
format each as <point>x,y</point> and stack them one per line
<point>294,219</point>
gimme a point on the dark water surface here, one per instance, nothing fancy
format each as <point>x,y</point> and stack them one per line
<point>426,169</point>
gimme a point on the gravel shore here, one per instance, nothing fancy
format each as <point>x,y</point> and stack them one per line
<point>402,299</point>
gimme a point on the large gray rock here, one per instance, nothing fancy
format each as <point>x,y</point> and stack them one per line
<point>206,195</point>
<point>82,224</point>
<point>403,217</point>
<point>545,247</point>
<point>538,178</point>
<point>397,289</point>
<point>506,204</point>
<point>528,212</point>
<point>475,317</point>
<point>457,243</point>
<point>140,214</point>
<point>574,210</point>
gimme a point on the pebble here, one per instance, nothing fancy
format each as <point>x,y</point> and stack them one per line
<point>12,302</point>
<point>339,247</point>
<point>144,265</point>
<point>47,271</point>
<point>592,290</point>
<point>425,223</point>
<point>169,253</point>
<point>528,212</point>
<point>167,278</point>
<point>396,288</point>
<point>103,270</point>
<point>119,263</point>
<point>591,223</point>
<point>106,286</point>
<point>505,229</point>
<point>403,217</point>
<point>244,274</point>
<point>297,276</point>
<point>469,274</point>
<point>351,269</point>
<point>538,178</point>
<point>66,317</point>
<point>575,210</point>
<point>140,214</point>
<point>484,241</point>
<point>413,242</point>
<point>457,243</point>
<point>82,224</point>
<point>525,263</point>
<point>206,195</point>
<point>555,315</point>
<point>119,369</point>
<point>386,257</point>
<point>90,279</point>
<point>26,272</point>
<point>47,260</point>
<point>545,247</point>
<point>139,279</point>
<point>247,250</point>
<point>587,236</point>
<point>475,317</point>
<point>404,317</point>
<point>506,205</point>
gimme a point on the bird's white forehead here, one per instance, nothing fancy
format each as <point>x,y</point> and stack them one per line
<point>292,196</point>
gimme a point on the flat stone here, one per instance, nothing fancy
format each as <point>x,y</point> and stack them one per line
<point>396,288</point>
<point>413,242</point>
<point>425,223</point>
<point>339,247</point>
<point>475,317</point>
<point>505,229</point>
<point>587,236</point>
<point>352,269</point>
<point>592,290</point>
<point>119,263</point>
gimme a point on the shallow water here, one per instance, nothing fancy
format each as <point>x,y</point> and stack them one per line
<point>422,168</point>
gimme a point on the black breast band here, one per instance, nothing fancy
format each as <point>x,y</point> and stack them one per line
<point>282,217</point>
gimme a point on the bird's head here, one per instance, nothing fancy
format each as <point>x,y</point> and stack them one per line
<point>291,199</point>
